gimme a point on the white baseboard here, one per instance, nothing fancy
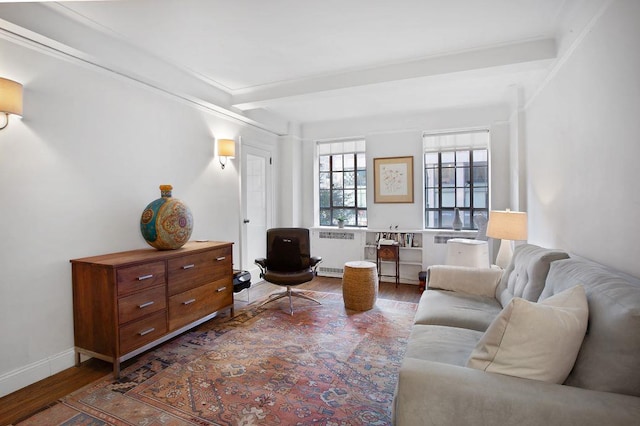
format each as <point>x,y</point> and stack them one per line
<point>29,374</point>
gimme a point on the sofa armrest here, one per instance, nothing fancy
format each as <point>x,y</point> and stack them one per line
<point>463,279</point>
<point>432,393</point>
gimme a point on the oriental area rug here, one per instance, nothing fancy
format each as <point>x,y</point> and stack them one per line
<point>324,365</point>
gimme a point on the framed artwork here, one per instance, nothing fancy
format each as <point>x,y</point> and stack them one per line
<point>393,179</point>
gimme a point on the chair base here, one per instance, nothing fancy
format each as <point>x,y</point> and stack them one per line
<point>290,293</point>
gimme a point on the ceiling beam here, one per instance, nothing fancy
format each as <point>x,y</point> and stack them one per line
<point>540,50</point>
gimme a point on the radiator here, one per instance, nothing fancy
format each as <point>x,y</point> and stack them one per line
<point>336,248</point>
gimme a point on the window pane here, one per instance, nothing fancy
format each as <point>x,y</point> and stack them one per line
<point>325,181</point>
<point>462,158</point>
<point>362,198</point>
<point>337,198</point>
<point>362,179</point>
<point>349,179</point>
<point>431,198</point>
<point>337,180</point>
<point>325,198</point>
<point>462,176</point>
<point>337,162</point>
<point>431,218</point>
<point>480,155</point>
<point>349,198</point>
<point>448,197</point>
<point>325,217</point>
<point>447,219</point>
<point>349,216</point>
<point>480,175</point>
<point>460,197</point>
<point>448,158</point>
<point>362,218</point>
<point>431,158</point>
<point>349,162</point>
<point>362,161</point>
<point>480,198</point>
<point>466,220</point>
<point>431,177</point>
<point>324,163</point>
<point>449,176</point>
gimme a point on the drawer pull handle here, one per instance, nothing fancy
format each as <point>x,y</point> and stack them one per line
<point>221,258</point>
<point>145,277</point>
<point>188,302</point>
<point>221,289</point>
<point>189,266</point>
<point>142,333</point>
<point>144,305</point>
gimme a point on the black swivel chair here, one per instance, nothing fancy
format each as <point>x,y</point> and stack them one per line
<point>288,262</point>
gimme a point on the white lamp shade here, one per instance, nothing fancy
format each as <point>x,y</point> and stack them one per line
<point>226,148</point>
<point>507,225</point>
<point>10,97</point>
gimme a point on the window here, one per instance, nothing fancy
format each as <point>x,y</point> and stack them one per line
<point>456,175</point>
<point>342,183</point>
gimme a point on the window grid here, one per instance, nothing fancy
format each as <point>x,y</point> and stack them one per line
<point>343,189</point>
<point>455,179</point>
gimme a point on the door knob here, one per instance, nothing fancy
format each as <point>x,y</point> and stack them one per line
<point>246,221</point>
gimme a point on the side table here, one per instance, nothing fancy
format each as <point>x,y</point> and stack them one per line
<point>389,253</point>
<point>360,285</point>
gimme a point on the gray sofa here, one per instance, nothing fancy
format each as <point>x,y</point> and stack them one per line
<point>435,386</point>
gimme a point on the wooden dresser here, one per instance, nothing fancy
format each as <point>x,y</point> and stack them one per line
<point>125,303</point>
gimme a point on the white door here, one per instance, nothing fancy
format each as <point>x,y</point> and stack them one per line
<point>257,204</point>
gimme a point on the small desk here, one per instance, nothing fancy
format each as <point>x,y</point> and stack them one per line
<point>388,253</point>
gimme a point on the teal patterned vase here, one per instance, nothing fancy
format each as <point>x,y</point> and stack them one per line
<point>166,223</point>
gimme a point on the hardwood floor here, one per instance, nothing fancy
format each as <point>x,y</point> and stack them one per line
<point>38,396</point>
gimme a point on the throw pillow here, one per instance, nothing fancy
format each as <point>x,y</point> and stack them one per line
<point>537,341</point>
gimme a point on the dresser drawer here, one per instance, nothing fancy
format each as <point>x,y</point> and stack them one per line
<point>139,333</point>
<point>135,278</point>
<point>191,271</point>
<point>140,304</point>
<point>199,302</point>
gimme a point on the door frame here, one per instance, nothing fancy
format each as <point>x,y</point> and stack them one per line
<point>266,152</point>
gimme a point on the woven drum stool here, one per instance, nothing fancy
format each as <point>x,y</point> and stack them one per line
<point>360,285</point>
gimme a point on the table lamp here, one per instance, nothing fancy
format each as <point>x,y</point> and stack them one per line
<point>508,226</point>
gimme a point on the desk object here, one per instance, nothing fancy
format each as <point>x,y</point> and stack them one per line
<point>388,253</point>
<point>128,302</point>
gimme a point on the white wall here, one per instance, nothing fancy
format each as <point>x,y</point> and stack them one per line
<point>582,136</point>
<point>402,136</point>
<point>75,174</point>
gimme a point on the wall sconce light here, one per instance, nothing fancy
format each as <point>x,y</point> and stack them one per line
<point>10,99</point>
<point>226,150</point>
<point>508,226</point>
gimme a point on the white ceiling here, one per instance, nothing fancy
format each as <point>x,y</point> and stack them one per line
<point>311,61</point>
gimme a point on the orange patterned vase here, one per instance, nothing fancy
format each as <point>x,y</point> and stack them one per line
<point>166,223</point>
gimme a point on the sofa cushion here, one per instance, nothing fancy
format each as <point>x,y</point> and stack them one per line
<point>464,279</point>
<point>538,341</point>
<point>436,343</point>
<point>525,276</point>
<point>440,307</point>
<point>609,359</point>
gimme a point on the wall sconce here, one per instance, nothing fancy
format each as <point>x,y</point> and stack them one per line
<point>10,99</point>
<point>226,150</point>
<point>508,226</point>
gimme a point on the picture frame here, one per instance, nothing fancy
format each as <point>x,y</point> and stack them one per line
<point>393,179</point>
